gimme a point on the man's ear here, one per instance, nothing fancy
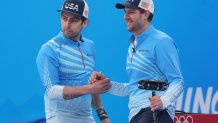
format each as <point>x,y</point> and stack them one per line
<point>147,14</point>
<point>85,23</point>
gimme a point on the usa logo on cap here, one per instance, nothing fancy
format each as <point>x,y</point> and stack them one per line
<point>77,7</point>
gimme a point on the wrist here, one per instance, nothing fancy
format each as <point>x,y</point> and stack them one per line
<point>88,89</point>
<point>101,113</point>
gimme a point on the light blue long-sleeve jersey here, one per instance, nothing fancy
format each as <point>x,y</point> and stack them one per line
<point>152,55</point>
<point>63,62</point>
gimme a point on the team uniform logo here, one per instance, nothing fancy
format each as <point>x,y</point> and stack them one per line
<point>71,6</point>
<point>145,5</point>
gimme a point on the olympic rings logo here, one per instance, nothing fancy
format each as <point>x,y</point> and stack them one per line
<point>183,119</point>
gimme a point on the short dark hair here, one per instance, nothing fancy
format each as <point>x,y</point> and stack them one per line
<point>142,11</point>
<point>83,19</point>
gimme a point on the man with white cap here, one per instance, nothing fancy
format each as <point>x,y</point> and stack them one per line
<point>65,63</point>
<point>152,55</point>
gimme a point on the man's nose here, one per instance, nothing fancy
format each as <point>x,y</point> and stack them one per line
<point>67,24</point>
<point>126,16</point>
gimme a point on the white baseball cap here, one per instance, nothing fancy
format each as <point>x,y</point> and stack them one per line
<point>134,4</point>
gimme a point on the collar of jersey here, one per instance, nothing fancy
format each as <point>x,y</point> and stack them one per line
<point>141,37</point>
<point>69,41</point>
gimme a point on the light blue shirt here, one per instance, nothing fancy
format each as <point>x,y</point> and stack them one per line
<point>63,62</point>
<point>153,56</point>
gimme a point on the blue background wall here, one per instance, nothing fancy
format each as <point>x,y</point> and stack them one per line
<point>26,25</point>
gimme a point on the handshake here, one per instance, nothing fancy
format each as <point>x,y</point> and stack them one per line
<point>98,83</point>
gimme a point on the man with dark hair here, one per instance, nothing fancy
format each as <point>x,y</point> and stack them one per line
<point>152,55</point>
<point>65,63</point>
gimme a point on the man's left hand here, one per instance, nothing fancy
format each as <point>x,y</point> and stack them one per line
<point>155,103</point>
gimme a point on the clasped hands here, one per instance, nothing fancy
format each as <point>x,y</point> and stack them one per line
<point>98,83</point>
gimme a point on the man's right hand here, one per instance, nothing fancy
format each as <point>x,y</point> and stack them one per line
<point>96,76</point>
<point>99,86</point>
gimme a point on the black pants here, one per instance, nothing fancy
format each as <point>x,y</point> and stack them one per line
<point>145,115</point>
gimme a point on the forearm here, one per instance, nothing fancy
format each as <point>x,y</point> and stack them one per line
<point>96,88</point>
<point>58,92</point>
<point>96,101</point>
<point>119,89</point>
<point>73,92</point>
<point>97,105</point>
<point>174,90</point>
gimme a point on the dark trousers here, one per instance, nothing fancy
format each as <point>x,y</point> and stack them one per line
<point>145,115</point>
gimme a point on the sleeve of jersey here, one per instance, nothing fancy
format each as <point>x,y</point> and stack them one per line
<point>168,62</point>
<point>47,64</point>
<point>119,89</point>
